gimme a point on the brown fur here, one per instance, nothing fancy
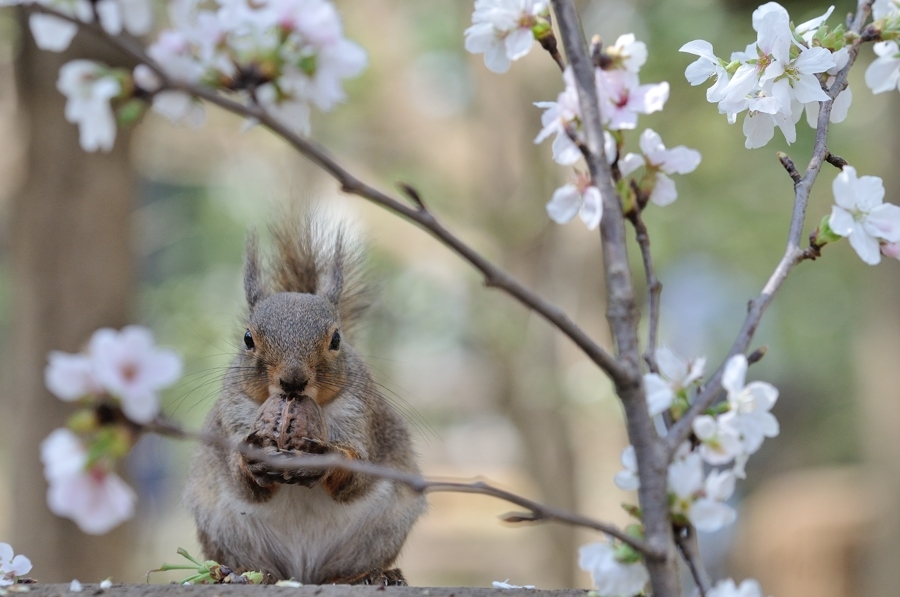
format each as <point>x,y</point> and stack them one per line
<point>349,524</point>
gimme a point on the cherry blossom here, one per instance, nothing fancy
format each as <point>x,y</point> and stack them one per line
<point>503,30</point>
<point>861,215</point>
<point>706,66</point>
<point>700,500</point>
<point>885,8</point>
<point>88,89</point>
<point>628,479</point>
<point>884,72</point>
<point>96,499</point>
<point>52,33</point>
<point>660,162</point>
<point>581,198</point>
<point>135,16</point>
<point>12,566</point>
<point>622,98</point>
<point>129,366</point>
<point>70,376</point>
<point>612,577</point>
<point>719,444</point>
<point>749,406</point>
<point>627,53</point>
<point>728,588</point>
<point>891,250</point>
<point>841,105</point>
<point>674,377</point>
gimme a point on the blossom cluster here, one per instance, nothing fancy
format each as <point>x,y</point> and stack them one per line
<point>622,98</point>
<point>505,30</point>
<point>726,433</point>
<point>776,77</point>
<point>282,56</point>
<point>117,379</point>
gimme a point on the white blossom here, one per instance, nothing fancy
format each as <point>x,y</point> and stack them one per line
<point>749,405</point>
<point>622,98</point>
<point>841,105</point>
<point>582,199</point>
<point>564,113</point>
<point>662,162</point>
<point>706,66</point>
<point>12,566</point>
<point>628,53</point>
<point>861,215</point>
<point>106,583</point>
<point>891,250</point>
<point>719,444</point>
<point>884,72</point>
<point>54,34</point>
<point>627,479</point>
<point>70,376</point>
<point>135,16</point>
<point>701,500</point>
<point>611,577</point>
<point>728,588</point>
<point>885,8</point>
<point>502,30</point>
<point>75,586</point>
<point>675,375</point>
<point>130,366</point>
<point>96,499</point>
<point>179,106</point>
<point>88,90</point>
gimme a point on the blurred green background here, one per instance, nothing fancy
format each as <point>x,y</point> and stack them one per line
<point>489,388</point>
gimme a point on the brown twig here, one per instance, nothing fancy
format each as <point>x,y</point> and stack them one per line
<point>836,160</point>
<point>494,277</point>
<point>623,315</point>
<point>788,164</point>
<point>654,288</point>
<point>690,551</point>
<point>536,512</point>
<point>793,254</point>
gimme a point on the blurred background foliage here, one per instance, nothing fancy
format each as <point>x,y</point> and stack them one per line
<point>489,388</point>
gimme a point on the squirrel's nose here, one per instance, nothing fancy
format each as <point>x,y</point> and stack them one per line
<point>293,385</point>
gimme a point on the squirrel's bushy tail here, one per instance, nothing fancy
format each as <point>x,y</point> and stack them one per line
<point>319,257</point>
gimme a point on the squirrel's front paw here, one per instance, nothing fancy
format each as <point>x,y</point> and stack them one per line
<point>284,427</point>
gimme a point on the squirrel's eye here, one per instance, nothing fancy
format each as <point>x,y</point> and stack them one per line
<point>335,341</point>
<point>248,340</point>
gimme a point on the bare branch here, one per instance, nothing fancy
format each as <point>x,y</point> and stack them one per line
<point>494,277</point>
<point>690,551</point>
<point>536,512</point>
<point>793,253</point>
<point>654,288</point>
<point>788,164</point>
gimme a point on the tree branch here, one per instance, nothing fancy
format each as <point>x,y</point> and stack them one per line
<point>494,277</point>
<point>536,512</point>
<point>690,551</point>
<point>654,288</point>
<point>793,253</point>
<point>623,315</point>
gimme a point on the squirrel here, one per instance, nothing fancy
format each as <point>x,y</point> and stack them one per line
<point>315,527</point>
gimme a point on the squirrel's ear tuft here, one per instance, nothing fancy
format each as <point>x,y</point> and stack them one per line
<point>333,286</point>
<point>254,286</point>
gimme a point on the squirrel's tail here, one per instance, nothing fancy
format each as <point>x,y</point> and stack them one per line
<point>318,257</point>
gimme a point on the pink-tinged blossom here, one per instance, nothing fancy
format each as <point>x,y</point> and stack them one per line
<point>622,98</point>
<point>861,215</point>
<point>12,566</point>
<point>89,90</point>
<point>661,162</point>
<point>582,199</point>
<point>70,376</point>
<point>728,588</point>
<point>502,30</point>
<point>884,72</point>
<point>611,577</point>
<point>95,499</point>
<point>627,479</point>
<point>702,501</point>
<point>891,250</point>
<point>130,367</point>
<point>675,377</point>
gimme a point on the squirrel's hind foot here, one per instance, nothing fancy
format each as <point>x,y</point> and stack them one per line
<point>379,577</point>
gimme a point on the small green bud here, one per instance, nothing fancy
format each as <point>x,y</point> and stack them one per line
<point>824,234</point>
<point>627,554</point>
<point>83,421</point>
<point>130,111</point>
<point>541,28</point>
<point>254,576</point>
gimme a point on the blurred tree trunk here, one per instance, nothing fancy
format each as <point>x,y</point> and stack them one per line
<point>72,273</point>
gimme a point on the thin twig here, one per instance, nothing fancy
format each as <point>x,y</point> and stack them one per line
<point>494,277</point>
<point>793,253</point>
<point>836,160</point>
<point>690,551</point>
<point>788,164</point>
<point>654,288</point>
<point>536,512</point>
